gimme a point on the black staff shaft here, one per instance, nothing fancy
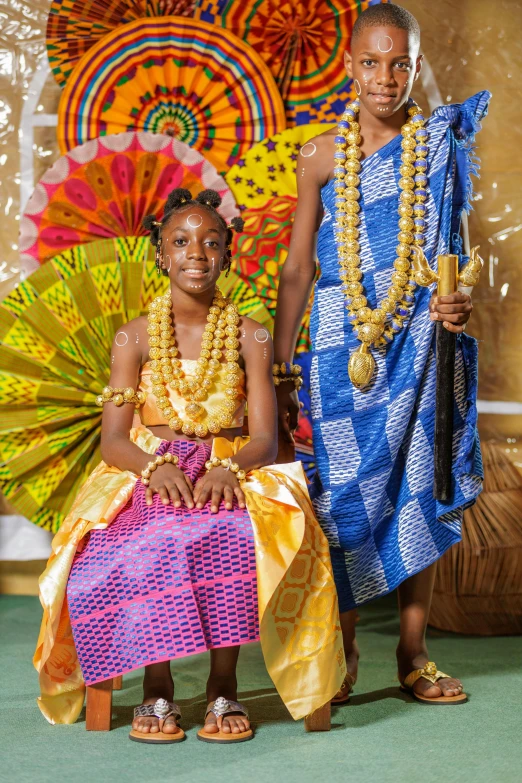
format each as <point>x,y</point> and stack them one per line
<point>445,350</point>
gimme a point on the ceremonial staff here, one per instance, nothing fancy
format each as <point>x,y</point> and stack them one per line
<point>448,279</point>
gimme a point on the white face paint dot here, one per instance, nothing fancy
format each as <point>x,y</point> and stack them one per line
<point>385,44</point>
<point>308,149</point>
<point>121,339</point>
<point>261,335</point>
<point>194,221</point>
<point>357,86</point>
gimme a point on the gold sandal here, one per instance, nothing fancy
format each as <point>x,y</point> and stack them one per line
<point>432,674</point>
<point>345,691</point>
<point>221,708</point>
<point>162,710</point>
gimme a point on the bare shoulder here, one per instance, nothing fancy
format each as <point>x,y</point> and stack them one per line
<point>137,328</point>
<point>253,331</point>
<point>130,342</point>
<point>316,158</point>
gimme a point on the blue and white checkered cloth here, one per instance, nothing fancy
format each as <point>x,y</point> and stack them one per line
<point>373,490</point>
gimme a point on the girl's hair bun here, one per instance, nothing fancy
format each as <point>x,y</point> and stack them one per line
<point>149,223</point>
<point>177,198</point>
<point>237,224</point>
<point>209,198</point>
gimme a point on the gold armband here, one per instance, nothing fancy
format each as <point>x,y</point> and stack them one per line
<point>233,467</point>
<point>120,396</point>
<point>287,372</point>
<point>147,472</point>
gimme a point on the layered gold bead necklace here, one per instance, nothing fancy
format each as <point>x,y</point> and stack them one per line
<point>377,327</point>
<point>220,338</point>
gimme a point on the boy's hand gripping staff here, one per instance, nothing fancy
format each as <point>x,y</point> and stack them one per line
<point>448,279</point>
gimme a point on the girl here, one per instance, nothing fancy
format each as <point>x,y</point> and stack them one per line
<point>160,549</point>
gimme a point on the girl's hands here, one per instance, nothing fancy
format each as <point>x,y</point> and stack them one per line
<point>454,311</point>
<point>171,484</point>
<point>216,484</point>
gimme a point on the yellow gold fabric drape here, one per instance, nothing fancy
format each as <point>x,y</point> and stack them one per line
<point>298,612</point>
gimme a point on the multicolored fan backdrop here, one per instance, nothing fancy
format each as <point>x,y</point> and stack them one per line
<point>156,94</point>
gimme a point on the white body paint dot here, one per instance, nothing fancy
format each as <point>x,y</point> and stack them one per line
<point>194,221</point>
<point>261,335</point>
<point>121,339</point>
<point>308,149</point>
<point>385,44</point>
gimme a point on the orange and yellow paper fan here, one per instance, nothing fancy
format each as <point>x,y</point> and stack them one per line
<point>173,75</point>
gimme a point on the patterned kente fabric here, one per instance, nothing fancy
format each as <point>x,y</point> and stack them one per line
<point>162,582</point>
<point>373,491</point>
<point>128,583</point>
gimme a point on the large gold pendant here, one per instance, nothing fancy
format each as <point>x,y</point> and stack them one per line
<point>361,366</point>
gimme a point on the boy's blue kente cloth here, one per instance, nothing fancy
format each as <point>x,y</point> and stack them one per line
<point>373,491</point>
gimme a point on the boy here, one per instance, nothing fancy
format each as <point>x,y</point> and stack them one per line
<point>384,175</point>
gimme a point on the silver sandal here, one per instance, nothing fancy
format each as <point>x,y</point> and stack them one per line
<point>162,710</point>
<point>221,708</point>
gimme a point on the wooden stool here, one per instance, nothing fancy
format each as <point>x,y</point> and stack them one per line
<point>99,708</point>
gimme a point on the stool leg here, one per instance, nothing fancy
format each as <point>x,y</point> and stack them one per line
<point>320,719</point>
<point>117,683</point>
<point>99,706</point>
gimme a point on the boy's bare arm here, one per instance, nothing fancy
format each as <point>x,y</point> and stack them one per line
<point>298,273</point>
<point>299,269</point>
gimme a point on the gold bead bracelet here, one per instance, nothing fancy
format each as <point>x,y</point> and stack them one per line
<point>286,371</point>
<point>120,396</point>
<point>297,380</point>
<point>147,472</point>
<point>233,467</point>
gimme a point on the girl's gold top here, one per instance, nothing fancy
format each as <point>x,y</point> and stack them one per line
<point>151,415</point>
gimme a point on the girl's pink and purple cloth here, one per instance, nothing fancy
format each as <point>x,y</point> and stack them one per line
<point>162,583</point>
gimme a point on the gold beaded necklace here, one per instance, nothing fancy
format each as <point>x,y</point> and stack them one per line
<point>221,332</point>
<point>378,326</point>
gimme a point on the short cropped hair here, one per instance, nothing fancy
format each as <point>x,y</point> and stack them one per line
<point>386,14</point>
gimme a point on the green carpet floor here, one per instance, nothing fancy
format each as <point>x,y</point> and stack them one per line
<point>381,736</point>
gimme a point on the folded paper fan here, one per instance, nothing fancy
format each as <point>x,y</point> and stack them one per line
<point>260,252</point>
<point>173,75</point>
<point>302,42</point>
<point>105,187</point>
<point>246,299</point>
<point>56,332</point>
<point>268,169</point>
<point>74,26</point>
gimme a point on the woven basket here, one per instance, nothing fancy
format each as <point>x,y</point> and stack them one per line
<point>478,589</point>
